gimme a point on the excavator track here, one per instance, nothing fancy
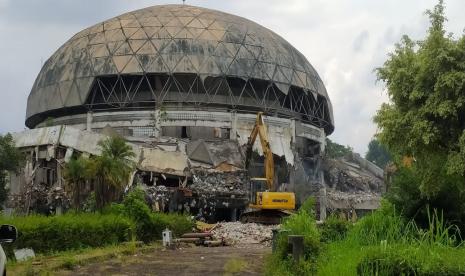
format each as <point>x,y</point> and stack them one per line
<point>264,216</point>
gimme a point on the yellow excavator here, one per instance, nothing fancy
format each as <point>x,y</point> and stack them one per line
<point>266,204</point>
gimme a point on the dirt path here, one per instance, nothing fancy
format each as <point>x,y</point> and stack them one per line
<point>184,261</point>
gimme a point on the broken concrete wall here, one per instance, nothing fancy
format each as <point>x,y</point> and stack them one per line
<point>348,176</point>
<point>353,184</point>
<point>39,184</point>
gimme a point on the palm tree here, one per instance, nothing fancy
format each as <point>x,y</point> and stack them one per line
<point>111,169</point>
<point>75,173</point>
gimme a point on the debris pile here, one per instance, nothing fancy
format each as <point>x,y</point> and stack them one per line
<point>231,183</point>
<point>346,176</point>
<point>243,234</point>
<point>157,197</point>
<point>40,198</point>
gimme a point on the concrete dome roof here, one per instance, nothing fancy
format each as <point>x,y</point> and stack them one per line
<point>169,39</point>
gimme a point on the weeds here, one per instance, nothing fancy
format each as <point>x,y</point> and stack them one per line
<point>381,243</point>
<point>233,266</point>
<point>334,229</point>
<point>302,223</point>
<point>69,263</point>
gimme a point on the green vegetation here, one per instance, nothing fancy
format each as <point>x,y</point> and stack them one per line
<point>334,229</point>
<point>112,169</point>
<point>378,154</point>
<point>10,160</point>
<point>302,223</point>
<point>417,230</point>
<point>109,172</point>
<point>335,150</point>
<point>128,221</point>
<point>234,266</point>
<point>425,118</point>
<point>71,231</point>
<point>149,225</point>
<point>382,243</point>
<point>75,174</point>
<point>48,264</point>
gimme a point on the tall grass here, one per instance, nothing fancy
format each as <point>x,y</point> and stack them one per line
<point>384,243</point>
<point>385,225</point>
<point>302,223</point>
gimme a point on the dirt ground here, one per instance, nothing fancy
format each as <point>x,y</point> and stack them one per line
<point>198,260</point>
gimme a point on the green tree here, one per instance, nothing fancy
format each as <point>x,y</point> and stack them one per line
<point>425,117</point>
<point>10,160</point>
<point>377,153</point>
<point>111,169</point>
<point>335,150</point>
<point>76,172</point>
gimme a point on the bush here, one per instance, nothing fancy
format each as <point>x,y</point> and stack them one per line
<point>149,225</point>
<point>406,195</point>
<point>69,231</point>
<point>334,229</point>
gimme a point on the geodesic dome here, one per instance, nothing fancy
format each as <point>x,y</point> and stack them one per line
<point>183,56</point>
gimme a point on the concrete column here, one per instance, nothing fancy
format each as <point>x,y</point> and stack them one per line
<point>59,172</point>
<point>89,121</point>
<point>322,198</point>
<point>322,143</point>
<point>233,132</point>
<point>297,244</point>
<point>293,131</point>
<point>234,215</point>
<point>59,210</point>
<point>157,123</point>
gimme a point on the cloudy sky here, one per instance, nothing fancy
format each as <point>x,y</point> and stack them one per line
<point>343,39</point>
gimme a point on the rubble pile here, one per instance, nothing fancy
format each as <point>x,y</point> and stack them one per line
<point>242,234</point>
<point>231,183</point>
<point>157,196</point>
<point>353,198</point>
<point>345,176</point>
<point>40,198</point>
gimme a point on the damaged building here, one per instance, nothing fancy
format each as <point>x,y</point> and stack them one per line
<point>182,85</point>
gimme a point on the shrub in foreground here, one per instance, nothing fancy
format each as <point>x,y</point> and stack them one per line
<point>302,223</point>
<point>149,225</point>
<point>69,231</point>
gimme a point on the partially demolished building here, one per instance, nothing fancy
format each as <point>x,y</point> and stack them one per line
<point>183,85</point>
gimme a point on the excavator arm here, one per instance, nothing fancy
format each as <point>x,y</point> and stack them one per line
<point>265,206</point>
<point>260,130</point>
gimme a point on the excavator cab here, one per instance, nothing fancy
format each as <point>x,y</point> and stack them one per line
<point>260,198</point>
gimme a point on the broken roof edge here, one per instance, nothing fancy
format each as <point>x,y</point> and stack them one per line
<point>87,142</point>
<point>66,136</point>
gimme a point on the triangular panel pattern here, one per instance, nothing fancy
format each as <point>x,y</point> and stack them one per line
<point>180,39</point>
